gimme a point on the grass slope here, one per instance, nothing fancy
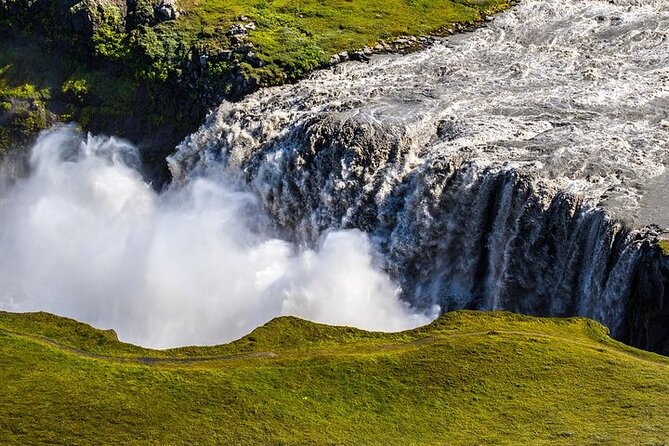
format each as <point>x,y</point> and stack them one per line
<point>468,378</point>
<point>292,31</point>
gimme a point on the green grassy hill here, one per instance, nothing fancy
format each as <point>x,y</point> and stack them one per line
<point>295,36</point>
<point>468,378</point>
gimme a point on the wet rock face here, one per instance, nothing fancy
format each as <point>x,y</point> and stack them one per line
<point>451,232</point>
<point>648,321</point>
<point>330,177</point>
<point>455,235</point>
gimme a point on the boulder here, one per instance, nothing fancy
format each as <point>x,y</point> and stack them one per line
<point>237,30</point>
<point>166,10</point>
<point>87,16</point>
<point>359,56</point>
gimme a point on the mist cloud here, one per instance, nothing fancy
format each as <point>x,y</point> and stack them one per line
<point>85,237</point>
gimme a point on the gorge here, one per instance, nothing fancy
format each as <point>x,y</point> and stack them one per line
<point>521,167</point>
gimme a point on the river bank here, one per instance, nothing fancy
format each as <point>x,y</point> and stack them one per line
<point>150,72</point>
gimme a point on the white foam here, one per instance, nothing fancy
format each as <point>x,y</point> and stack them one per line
<point>83,236</point>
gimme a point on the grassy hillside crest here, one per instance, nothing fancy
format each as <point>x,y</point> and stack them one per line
<point>467,378</point>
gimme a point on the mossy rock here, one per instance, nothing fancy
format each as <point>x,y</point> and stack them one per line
<point>664,246</point>
<point>21,121</point>
<point>88,16</point>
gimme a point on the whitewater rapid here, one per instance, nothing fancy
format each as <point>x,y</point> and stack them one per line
<point>572,92</point>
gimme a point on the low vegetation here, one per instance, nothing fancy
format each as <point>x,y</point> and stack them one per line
<point>664,246</point>
<point>117,68</point>
<point>295,36</point>
<point>468,378</point>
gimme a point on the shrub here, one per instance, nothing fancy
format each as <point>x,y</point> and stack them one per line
<point>75,89</point>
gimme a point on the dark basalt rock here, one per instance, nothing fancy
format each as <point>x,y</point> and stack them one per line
<point>166,10</point>
<point>648,321</point>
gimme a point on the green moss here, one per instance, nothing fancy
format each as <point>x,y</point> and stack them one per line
<point>109,40</point>
<point>21,91</point>
<point>110,44</point>
<point>32,121</point>
<point>664,246</point>
<point>468,378</point>
<point>156,53</point>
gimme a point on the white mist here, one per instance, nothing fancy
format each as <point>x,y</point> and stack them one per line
<point>85,237</point>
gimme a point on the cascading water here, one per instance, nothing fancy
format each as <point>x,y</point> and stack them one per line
<point>84,236</point>
<point>497,170</point>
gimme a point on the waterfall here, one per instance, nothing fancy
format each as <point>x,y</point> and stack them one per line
<point>521,166</point>
<point>509,168</point>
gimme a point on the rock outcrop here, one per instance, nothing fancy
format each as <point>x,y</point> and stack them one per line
<point>166,10</point>
<point>89,15</point>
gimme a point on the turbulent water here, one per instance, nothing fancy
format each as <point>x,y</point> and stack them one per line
<point>84,236</point>
<point>501,169</point>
